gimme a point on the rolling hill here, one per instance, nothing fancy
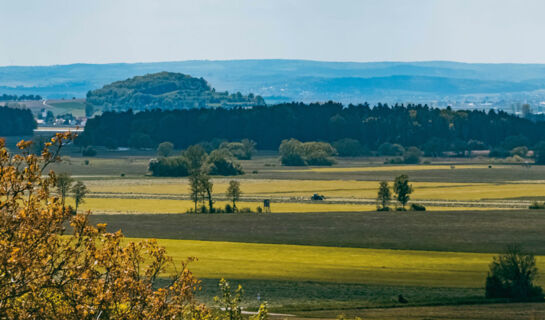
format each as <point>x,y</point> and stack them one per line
<point>300,80</point>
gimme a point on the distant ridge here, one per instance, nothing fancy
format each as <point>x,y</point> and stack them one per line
<point>301,80</point>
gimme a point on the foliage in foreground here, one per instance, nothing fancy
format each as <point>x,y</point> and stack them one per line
<point>49,273</point>
<point>512,275</point>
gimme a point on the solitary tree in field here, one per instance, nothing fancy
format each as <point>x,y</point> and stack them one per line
<point>195,188</point>
<point>384,196</point>
<point>200,186</point>
<point>512,275</point>
<point>233,193</point>
<point>64,184</point>
<point>80,191</point>
<point>402,189</point>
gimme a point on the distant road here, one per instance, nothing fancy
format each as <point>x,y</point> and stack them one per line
<point>58,129</point>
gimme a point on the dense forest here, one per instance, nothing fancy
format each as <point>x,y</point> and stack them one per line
<point>411,125</point>
<point>16,122</point>
<point>165,90</point>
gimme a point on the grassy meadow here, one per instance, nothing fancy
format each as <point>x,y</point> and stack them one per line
<point>323,258</point>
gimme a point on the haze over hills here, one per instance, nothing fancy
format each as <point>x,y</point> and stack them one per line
<point>302,80</point>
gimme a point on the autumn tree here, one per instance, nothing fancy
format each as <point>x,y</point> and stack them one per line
<point>233,193</point>
<point>384,196</point>
<point>80,191</point>
<point>402,189</point>
<point>51,271</point>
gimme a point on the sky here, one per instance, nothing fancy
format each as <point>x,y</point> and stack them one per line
<point>38,32</point>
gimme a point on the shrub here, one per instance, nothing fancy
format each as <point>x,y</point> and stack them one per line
<point>169,167</point>
<point>221,164</point>
<point>412,155</point>
<point>417,207</point>
<point>259,209</point>
<point>396,160</point>
<point>512,276</point>
<point>499,152</point>
<point>245,210</point>
<point>350,148</point>
<point>165,149</point>
<point>295,153</point>
<point>521,151</point>
<point>536,205</point>
<point>88,152</point>
<point>384,209</point>
<point>388,149</point>
<point>242,150</point>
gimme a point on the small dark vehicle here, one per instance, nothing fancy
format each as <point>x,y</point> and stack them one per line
<point>317,197</point>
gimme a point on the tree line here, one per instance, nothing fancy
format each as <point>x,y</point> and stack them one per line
<point>16,122</point>
<point>431,129</point>
<point>14,97</point>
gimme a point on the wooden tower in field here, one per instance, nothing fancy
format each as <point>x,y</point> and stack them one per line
<point>267,205</point>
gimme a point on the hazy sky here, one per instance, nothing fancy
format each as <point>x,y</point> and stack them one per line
<point>39,32</point>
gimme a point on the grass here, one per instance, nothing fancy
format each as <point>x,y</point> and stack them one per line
<point>504,311</point>
<point>77,107</point>
<point>297,296</point>
<point>235,260</point>
<point>485,231</point>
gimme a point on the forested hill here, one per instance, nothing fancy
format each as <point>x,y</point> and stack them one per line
<point>412,125</point>
<point>167,91</point>
<point>16,122</point>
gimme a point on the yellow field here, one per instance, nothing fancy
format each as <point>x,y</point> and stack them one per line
<point>350,265</point>
<point>392,168</point>
<point>329,188</point>
<point>138,206</point>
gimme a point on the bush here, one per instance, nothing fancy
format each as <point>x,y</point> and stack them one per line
<point>88,152</point>
<point>165,149</point>
<point>512,276</point>
<point>245,210</point>
<point>384,209</point>
<point>521,151</point>
<point>169,167</point>
<point>499,152</point>
<point>401,209</point>
<point>412,155</point>
<point>417,207</point>
<point>221,164</point>
<point>228,208</point>
<point>295,153</point>
<point>242,150</point>
<point>388,149</point>
<point>537,206</point>
<point>350,148</point>
<point>396,160</point>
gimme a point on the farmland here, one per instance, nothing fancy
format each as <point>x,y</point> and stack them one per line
<point>337,255</point>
